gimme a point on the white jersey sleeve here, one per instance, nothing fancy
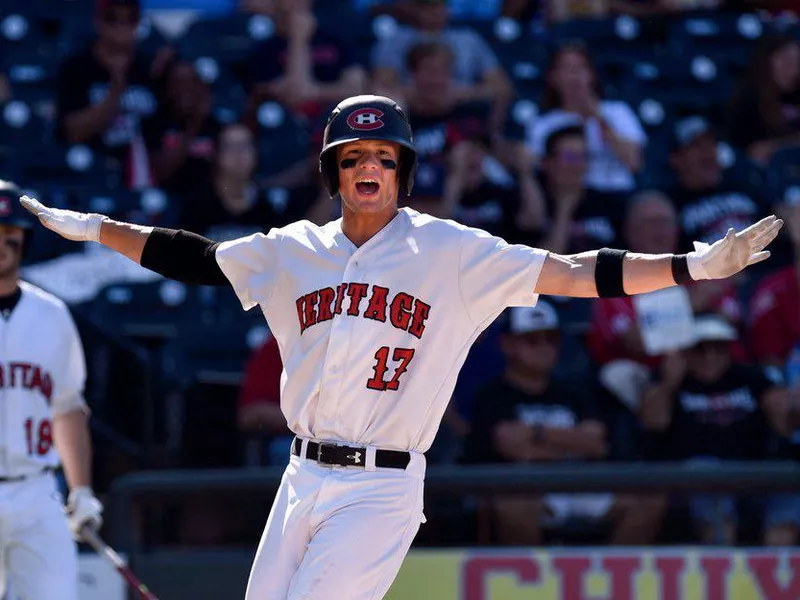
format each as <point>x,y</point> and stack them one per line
<point>494,274</point>
<point>69,391</point>
<point>251,265</point>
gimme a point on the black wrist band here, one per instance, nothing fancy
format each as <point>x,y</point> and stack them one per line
<point>680,269</point>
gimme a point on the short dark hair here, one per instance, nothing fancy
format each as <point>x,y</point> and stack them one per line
<point>423,50</point>
<point>559,134</point>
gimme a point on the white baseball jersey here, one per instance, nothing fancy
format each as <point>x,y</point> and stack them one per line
<point>372,338</point>
<point>42,374</point>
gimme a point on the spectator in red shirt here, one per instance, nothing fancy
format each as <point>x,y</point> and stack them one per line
<point>259,399</point>
<point>774,324</point>
<point>650,225</point>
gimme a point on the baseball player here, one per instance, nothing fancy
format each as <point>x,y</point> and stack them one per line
<point>374,314</point>
<point>42,419</point>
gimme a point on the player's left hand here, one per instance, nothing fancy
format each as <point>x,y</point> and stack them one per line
<point>83,510</point>
<point>734,252</point>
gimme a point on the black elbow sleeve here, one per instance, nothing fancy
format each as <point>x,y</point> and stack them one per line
<point>183,256</point>
<point>608,276</point>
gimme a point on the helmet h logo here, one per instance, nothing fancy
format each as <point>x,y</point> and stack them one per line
<point>5,207</point>
<point>365,119</point>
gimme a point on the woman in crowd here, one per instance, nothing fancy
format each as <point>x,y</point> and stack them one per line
<point>766,110</point>
<point>614,135</point>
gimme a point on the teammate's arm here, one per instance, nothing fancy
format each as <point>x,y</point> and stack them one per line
<point>175,254</point>
<point>73,444</point>
<point>612,273</point>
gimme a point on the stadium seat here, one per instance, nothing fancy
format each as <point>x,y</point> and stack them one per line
<point>74,167</point>
<point>283,139</point>
<point>690,83</point>
<point>228,40</point>
<point>728,36</point>
<point>144,311</point>
<point>212,355</point>
<point>782,176</point>
<point>151,206</point>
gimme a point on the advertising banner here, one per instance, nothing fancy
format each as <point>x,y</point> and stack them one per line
<point>600,574</point>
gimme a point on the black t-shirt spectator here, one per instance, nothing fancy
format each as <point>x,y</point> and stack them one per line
<point>162,133</point>
<point>330,57</point>
<point>83,82</point>
<point>724,420</point>
<point>596,222</point>
<point>490,207</point>
<point>747,122</point>
<point>204,213</point>
<point>560,406</point>
<point>434,135</point>
<point>705,216</point>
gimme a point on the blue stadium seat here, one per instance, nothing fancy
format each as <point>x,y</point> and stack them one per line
<point>151,206</point>
<point>694,82</point>
<point>782,176</point>
<point>608,36</point>
<point>228,40</point>
<point>146,311</point>
<point>729,36</point>
<point>75,167</point>
<point>211,354</point>
<point>283,139</point>
<point>31,67</point>
<point>24,125</point>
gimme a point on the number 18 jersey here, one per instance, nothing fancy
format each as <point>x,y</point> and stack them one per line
<point>372,338</point>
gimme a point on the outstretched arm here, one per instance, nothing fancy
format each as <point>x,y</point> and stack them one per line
<point>175,254</point>
<point>610,273</point>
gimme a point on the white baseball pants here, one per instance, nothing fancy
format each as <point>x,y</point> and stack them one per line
<point>338,533</point>
<point>38,556</point>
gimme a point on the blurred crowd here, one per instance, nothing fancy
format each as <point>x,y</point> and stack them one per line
<point>568,125</point>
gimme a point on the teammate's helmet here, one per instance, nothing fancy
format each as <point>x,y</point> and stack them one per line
<point>13,213</point>
<point>367,118</point>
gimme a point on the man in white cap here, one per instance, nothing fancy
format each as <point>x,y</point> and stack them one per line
<point>708,408</point>
<point>528,415</point>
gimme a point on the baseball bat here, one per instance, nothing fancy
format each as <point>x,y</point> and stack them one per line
<point>107,552</point>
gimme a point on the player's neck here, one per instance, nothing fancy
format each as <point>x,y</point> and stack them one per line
<point>8,285</point>
<point>360,227</point>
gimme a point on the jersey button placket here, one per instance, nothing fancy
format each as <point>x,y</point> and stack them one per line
<point>332,377</point>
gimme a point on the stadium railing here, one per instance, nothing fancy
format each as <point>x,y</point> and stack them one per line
<point>726,477</point>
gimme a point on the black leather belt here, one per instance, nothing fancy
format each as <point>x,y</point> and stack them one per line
<point>346,456</point>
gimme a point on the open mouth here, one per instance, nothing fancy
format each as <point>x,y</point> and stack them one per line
<point>367,187</point>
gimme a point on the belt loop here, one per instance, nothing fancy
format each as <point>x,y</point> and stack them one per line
<point>304,448</point>
<point>369,462</point>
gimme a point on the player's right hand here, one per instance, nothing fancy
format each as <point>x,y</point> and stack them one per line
<point>70,224</point>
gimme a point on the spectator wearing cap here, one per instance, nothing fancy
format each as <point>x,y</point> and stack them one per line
<point>708,204</point>
<point>766,110</point>
<point>650,225</point>
<point>529,415</point>
<point>105,90</point>
<point>302,66</point>
<point>233,205</point>
<point>477,74</point>
<point>705,407</point>
<point>614,136</point>
<point>578,218</point>
<point>180,136</point>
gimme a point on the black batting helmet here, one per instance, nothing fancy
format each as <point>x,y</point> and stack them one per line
<point>367,118</point>
<point>13,213</point>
